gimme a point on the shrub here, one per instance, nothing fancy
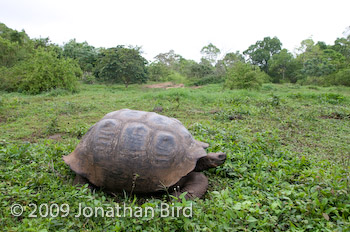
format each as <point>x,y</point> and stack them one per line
<point>313,80</point>
<point>176,78</point>
<point>211,79</point>
<point>343,77</point>
<point>89,78</point>
<point>158,71</point>
<point>43,72</point>
<point>244,76</point>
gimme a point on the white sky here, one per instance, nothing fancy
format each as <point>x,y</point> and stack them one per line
<point>182,25</point>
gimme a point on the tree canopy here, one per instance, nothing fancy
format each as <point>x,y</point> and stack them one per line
<point>121,65</point>
<point>261,52</point>
<point>210,53</point>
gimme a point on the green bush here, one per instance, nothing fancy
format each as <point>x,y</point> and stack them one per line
<point>89,78</point>
<point>244,76</point>
<point>158,71</point>
<point>176,78</point>
<point>211,79</point>
<point>343,77</point>
<point>42,72</point>
<point>313,80</point>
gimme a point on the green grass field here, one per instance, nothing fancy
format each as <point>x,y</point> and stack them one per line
<point>288,163</point>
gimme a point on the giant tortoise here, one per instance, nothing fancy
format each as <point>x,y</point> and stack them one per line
<point>143,152</point>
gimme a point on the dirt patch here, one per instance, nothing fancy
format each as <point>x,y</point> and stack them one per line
<point>55,137</point>
<point>165,85</point>
<point>338,116</point>
<point>3,119</point>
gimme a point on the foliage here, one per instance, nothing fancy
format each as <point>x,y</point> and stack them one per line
<point>170,59</point>
<point>210,53</point>
<point>121,65</point>
<point>210,79</point>
<point>14,46</point>
<point>321,63</point>
<point>89,78</point>
<point>42,72</point>
<point>13,35</point>
<point>8,52</point>
<point>342,77</point>
<point>327,62</point>
<point>85,54</point>
<point>342,45</point>
<point>282,67</point>
<point>202,69</point>
<point>232,57</point>
<point>158,71</point>
<point>176,77</point>
<point>244,76</point>
<point>261,52</point>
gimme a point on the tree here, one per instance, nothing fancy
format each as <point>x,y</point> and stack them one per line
<point>8,52</point>
<point>170,58</point>
<point>342,45</point>
<point>158,71</point>
<point>342,77</point>
<point>210,53</point>
<point>202,69</point>
<point>282,65</point>
<point>14,46</point>
<point>320,62</point>
<point>184,67</point>
<point>233,57</point>
<point>244,76</point>
<point>318,59</point>
<point>122,65</point>
<point>261,52</point>
<point>13,35</point>
<point>85,54</point>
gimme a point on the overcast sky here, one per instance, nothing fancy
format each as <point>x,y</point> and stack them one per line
<point>182,25</point>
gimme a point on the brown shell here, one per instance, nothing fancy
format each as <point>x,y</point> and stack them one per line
<point>130,149</point>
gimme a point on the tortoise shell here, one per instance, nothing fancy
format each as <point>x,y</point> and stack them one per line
<point>135,150</point>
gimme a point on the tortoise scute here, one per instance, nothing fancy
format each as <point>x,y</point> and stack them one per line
<point>160,120</point>
<point>106,131</point>
<point>132,114</point>
<point>134,137</point>
<point>164,148</point>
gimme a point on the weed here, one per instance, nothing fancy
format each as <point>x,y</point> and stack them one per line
<point>275,100</point>
<point>77,130</point>
<point>332,98</point>
<point>52,127</point>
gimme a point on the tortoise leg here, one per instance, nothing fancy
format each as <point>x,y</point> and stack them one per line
<point>195,184</point>
<point>80,181</point>
<point>212,160</point>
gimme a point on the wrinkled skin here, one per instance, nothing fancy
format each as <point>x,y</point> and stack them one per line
<point>196,183</point>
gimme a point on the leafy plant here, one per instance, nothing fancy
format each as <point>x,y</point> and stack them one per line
<point>121,65</point>
<point>244,76</point>
<point>42,72</point>
<point>88,78</point>
<point>52,127</point>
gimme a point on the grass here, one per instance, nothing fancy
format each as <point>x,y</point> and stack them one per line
<point>287,168</point>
